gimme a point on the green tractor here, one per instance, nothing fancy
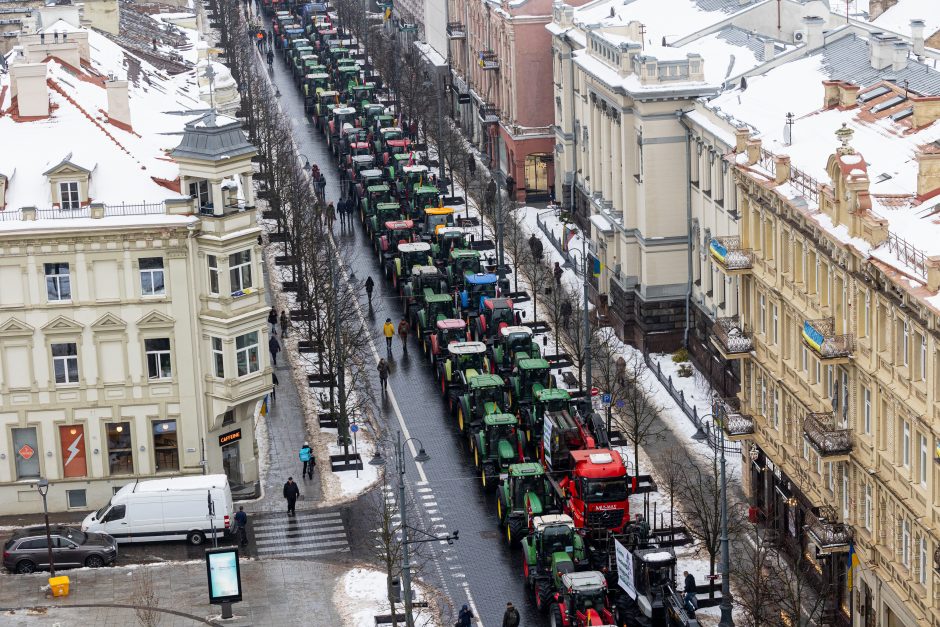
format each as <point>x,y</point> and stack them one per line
<point>422,279</point>
<point>423,197</point>
<point>393,234</point>
<point>529,377</point>
<point>523,494</point>
<point>386,134</point>
<point>326,102</point>
<point>553,548</point>
<point>313,84</point>
<point>532,415</point>
<point>374,195</point>
<point>495,314</point>
<point>435,219</point>
<point>431,308</point>
<point>445,240</point>
<point>458,364</point>
<point>384,212</point>
<point>497,445</point>
<point>462,263</point>
<point>366,179</point>
<point>411,177</point>
<point>447,332</point>
<point>410,254</point>
<point>486,394</point>
<point>511,341</point>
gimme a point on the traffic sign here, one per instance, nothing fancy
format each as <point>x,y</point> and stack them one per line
<point>354,427</point>
<point>26,451</point>
<point>595,391</point>
<point>605,398</point>
<point>621,402</point>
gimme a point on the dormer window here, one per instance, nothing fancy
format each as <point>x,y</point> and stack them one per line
<point>69,197</point>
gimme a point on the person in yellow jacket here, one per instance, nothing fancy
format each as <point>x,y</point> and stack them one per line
<point>389,330</point>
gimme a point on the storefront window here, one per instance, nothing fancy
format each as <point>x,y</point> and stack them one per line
<point>120,453</point>
<point>165,446</point>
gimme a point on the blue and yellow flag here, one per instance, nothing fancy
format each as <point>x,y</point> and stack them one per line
<point>596,267</point>
<point>850,570</point>
<point>264,406</point>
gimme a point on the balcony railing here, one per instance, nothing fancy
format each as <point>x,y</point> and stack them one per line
<point>827,532</point>
<point>820,336</point>
<point>736,425</point>
<point>456,30</point>
<point>488,113</point>
<point>831,442</point>
<point>488,60</point>
<point>732,338</point>
<point>730,256</point>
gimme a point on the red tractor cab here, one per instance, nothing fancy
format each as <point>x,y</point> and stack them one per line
<point>447,331</point>
<point>495,314</point>
<point>395,232</point>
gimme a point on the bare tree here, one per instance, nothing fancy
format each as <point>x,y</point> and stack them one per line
<point>754,573</point>
<point>637,418</point>
<point>145,599</point>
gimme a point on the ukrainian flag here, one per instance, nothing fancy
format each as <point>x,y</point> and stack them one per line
<point>596,267</point>
<point>264,406</point>
<point>850,570</point>
<point>718,251</point>
<point>813,337</point>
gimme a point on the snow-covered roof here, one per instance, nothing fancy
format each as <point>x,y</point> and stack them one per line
<point>59,26</point>
<point>898,17</point>
<point>130,164</point>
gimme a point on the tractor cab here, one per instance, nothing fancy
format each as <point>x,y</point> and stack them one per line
<point>436,218</point>
<point>410,254</point>
<point>510,341</point>
<point>341,118</point>
<point>523,496</point>
<point>395,233</point>
<point>496,446</point>
<point>370,111</point>
<point>463,262</point>
<point>430,308</point>
<point>375,195</point>
<point>546,400</point>
<point>424,196</point>
<point>367,179</point>
<point>449,331</point>
<point>654,577</point>
<point>412,177</point>
<point>386,134</point>
<point>581,600</point>
<point>485,394</point>
<point>553,548</point>
<point>445,240</point>
<point>359,159</point>
<point>326,102</point>
<point>462,361</point>
<point>395,165</point>
<point>397,147</point>
<point>530,376</point>
<point>313,83</point>
<point>384,212</point>
<point>495,313</point>
<point>424,279</point>
<point>347,74</point>
<point>362,95</point>
<point>477,288</point>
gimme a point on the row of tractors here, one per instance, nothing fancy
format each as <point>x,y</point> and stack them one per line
<point>562,493</point>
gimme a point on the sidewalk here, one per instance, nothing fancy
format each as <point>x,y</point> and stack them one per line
<point>275,592</point>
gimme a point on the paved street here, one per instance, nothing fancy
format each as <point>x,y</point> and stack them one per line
<point>308,534</point>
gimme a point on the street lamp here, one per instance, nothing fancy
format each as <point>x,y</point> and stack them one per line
<point>725,606</point>
<point>378,460</point>
<point>43,487</point>
<point>588,379</point>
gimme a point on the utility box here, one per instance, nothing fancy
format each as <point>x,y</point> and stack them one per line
<point>59,586</point>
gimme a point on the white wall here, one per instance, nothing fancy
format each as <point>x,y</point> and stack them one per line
<point>435,25</point>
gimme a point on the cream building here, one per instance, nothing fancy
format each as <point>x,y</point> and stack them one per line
<point>837,254</point>
<point>133,340</point>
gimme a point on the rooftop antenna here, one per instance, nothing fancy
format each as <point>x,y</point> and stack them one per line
<point>643,36</point>
<point>788,130</point>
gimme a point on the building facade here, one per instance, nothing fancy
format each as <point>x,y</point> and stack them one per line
<point>133,340</point>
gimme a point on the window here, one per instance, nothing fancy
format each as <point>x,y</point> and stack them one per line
<point>65,362</point>
<point>776,416</point>
<point>762,306</point>
<point>26,452</point>
<point>200,191</point>
<point>58,284</point>
<point>228,418</point>
<point>213,274</point>
<point>239,265</point>
<point>923,460</point>
<point>76,499</point>
<point>818,365</point>
<point>845,492</point>
<point>866,322</point>
<point>804,358</point>
<point>120,453</point>
<point>868,506</point>
<point>773,323</point>
<point>165,448</point>
<point>906,543</point>
<point>905,339</point>
<point>151,276</point>
<point>830,477</point>
<point>866,411</point>
<point>218,357</point>
<point>922,560</point>
<point>246,354</point>
<point>158,358</point>
<point>68,195</point>
<point>906,444</point>
<point>920,371</point>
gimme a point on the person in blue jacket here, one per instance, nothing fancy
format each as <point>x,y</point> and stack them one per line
<point>306,456</point>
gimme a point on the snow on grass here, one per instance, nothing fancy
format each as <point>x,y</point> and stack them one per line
<point>351,482</point>
<point>361,594</point>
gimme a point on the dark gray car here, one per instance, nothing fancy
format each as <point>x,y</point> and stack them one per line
<point>27,550</point>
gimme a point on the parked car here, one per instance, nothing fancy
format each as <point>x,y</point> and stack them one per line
<point>27,550</point>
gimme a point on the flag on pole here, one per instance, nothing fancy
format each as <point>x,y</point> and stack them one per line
<point>569,234</point>
<point>411,160</point>
<point>264,406</point>
<point>596,266</point>
<point>853,562</point>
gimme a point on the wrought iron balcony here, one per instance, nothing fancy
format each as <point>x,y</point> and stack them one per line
<point>827,532</point>
<point>456,30</point>
<point>820,336</point>
<point>729,255</point>
<point>833,443</point>
<point>731,338</point>
<point>488,60</point>
<point>488,113</point>
<point>736,425</point>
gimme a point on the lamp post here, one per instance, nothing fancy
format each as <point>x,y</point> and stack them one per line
<point>725,606</point>
<point>588,379</point>
<point>377,460</point>
<point>343,435</point>
<point>43,487</point>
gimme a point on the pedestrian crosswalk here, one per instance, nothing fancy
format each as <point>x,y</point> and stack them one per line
<point>308,534</point>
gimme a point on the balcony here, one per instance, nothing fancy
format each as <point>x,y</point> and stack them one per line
<point>488,113</point>
<point>831,443</point>
<point>234,219</point>
<point>731,339</point>
<point>825,531</point>
<point>488,60</point>
<point>729,255</point>
<point>736,425</point>
<point>820,336</point>
<point>456,30</point>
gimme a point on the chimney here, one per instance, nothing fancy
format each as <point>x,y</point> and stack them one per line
<point>928,173</point>
<point>770,49</point>
<point>848,94</point>
<point>119,109</point>
<point>926,110</point>
<point>28,86</point>
<point>899,56</point>
<point>781,169</point>
<point>741,135</point>
<point>917,36</point>
<point>830,94</point>
<point>753,151</point>
<point>814,31</point>
<point>880,50</point>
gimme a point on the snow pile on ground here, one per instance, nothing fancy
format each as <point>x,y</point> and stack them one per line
<point>362,595</point>
<point>351,482</point>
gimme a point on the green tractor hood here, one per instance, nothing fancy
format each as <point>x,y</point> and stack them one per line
<point>490,407</point>
<point>533,503</point>
<point>505,451</point>
<point>561,563</point>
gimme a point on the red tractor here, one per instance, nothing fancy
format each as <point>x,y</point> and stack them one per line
<point>581,601</point>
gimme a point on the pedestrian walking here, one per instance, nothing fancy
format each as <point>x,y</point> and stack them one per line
<point>510,616</point>
<point>330,215</point>
<point>321,186</point>
<point>565,312</point>
<point>621,370</point>
<point>306,456</point>
<point>370,284</point>
<point>464,617</point>
<point>403,328</point>
<point>558,272</point>
<point>285,323</point>
<point>315,172</point>
<point>389,330</point>
<point>272,319</point>
<point>691,591</point>
<point>291,493</point>
<point>274,389</point>
<point>241,526</point>
<point>275,347</point>
<point>318,211</point>
<point>383,373</point>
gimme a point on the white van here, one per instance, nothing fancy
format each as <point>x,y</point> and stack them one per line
<point>166,509</point>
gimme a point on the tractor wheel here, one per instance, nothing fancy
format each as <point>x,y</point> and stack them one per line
<point>525,568</point>
<point>488,476</point>
<point>476,455</point>
<point>460,418</point>
<point>543,596</point>
<point>499,510</point>
<point>555,618</point>
<point>483,477</point>
<point>514,530</point>
<point>443,385</point>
